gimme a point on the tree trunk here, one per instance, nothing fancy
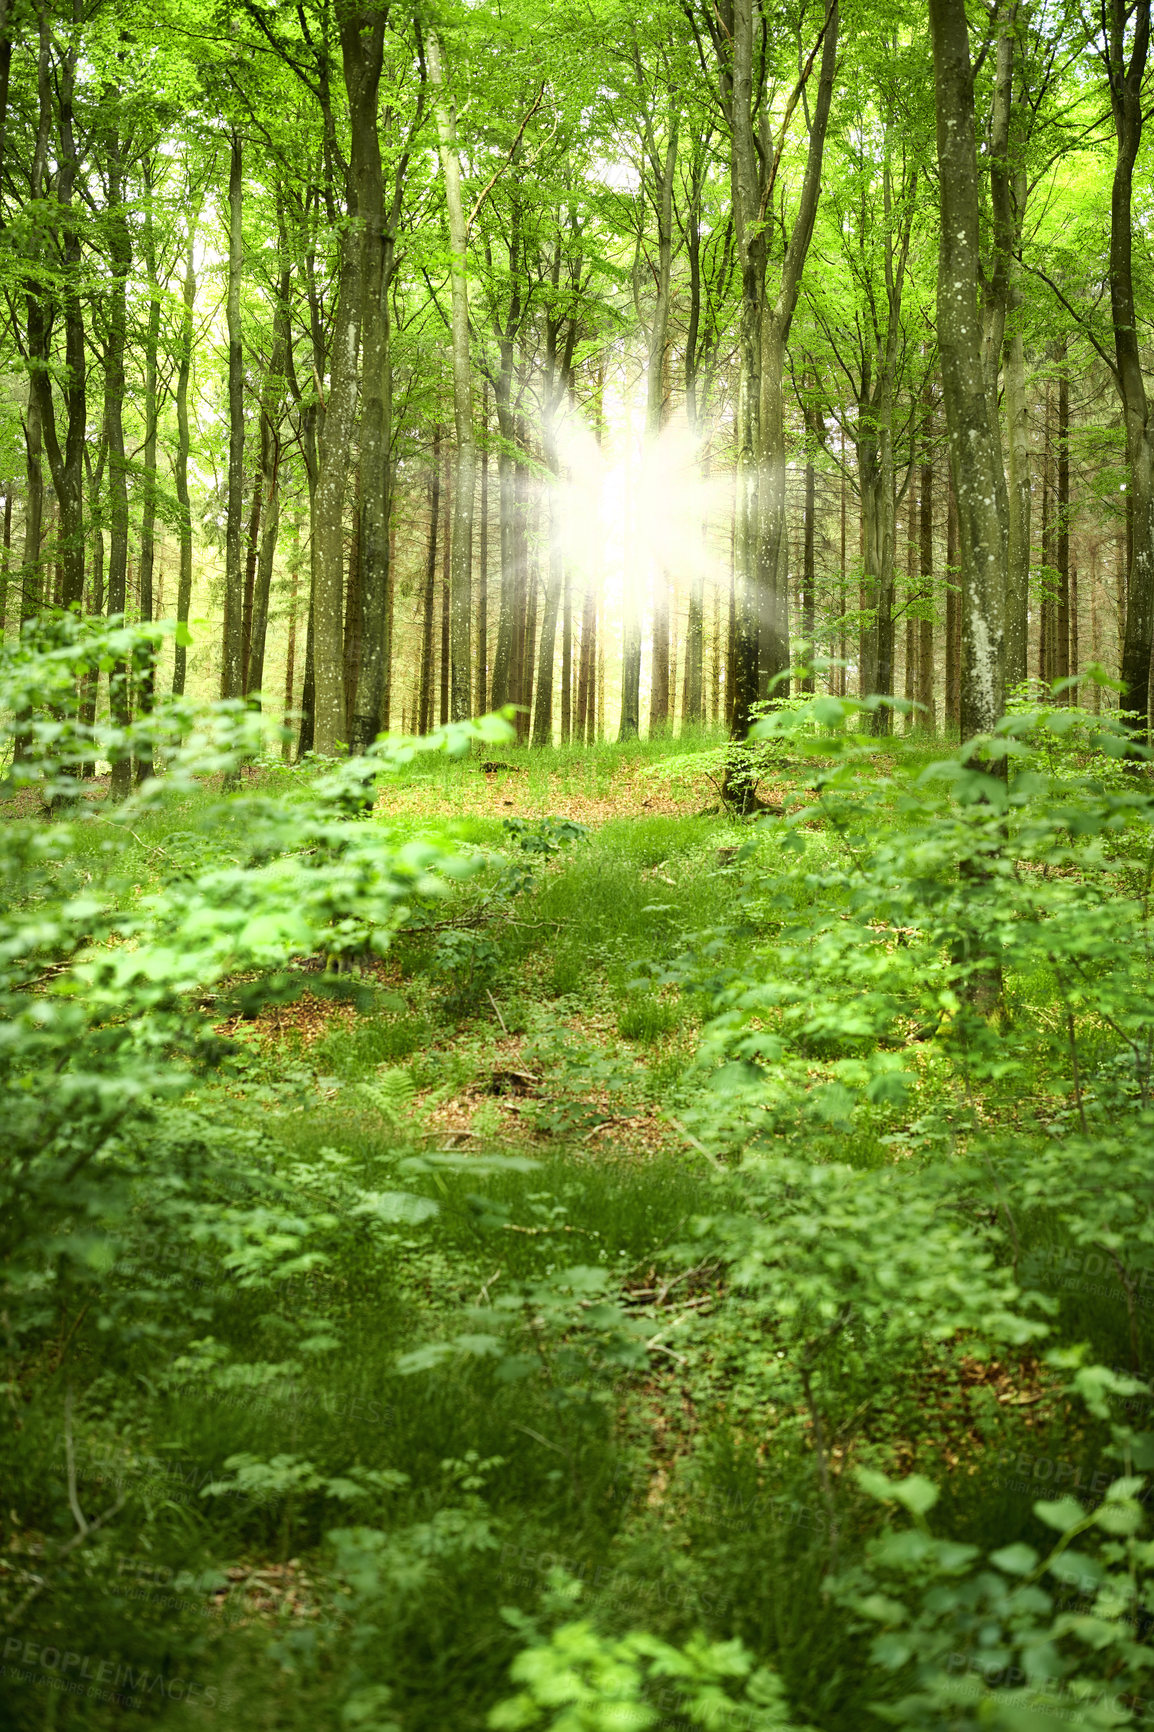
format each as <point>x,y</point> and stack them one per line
<point>1047,599</point>
<point>291,650</point>
<point>144,758</point>
<point>925,691</point>
<point>120,254</point>
<point>67,465</point>
<point>461,605</point>
<point>5,560</point>
<point>1126,93</point>
<point>31,577</point>
<point>913,599</point>
<point>184,583</point>
<point>974,454</point>
<point>446,598</point>
<point>363,49</point>
<point>272,395</point>
<point>248,588</point>
<point>503,688</point>
<point>808,573</point>
<point>1062,611</point>
<point>953,614</point>
<point>352,621</point>
<point>483,687</point>
<point>425,694</point>
<point>232,646</point>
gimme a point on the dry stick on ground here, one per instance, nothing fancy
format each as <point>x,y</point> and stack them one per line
<point>497,1012</point>
<point>84,1529</point>
<point>693,1142</point>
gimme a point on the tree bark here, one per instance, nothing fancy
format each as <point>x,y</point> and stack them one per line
<point>184,583</point>
<point>446,598</point>
<point>1126,77</point>
<point>425,693</point>
<point>808,572</point>
<point>120,256</point>
<point>272,396</point>
<point>1062,610</point>
<point>248,587</point>
<point>364,57</point>
<point>483,687</point>
<point>925,688</point>
<point>461,605</point>
<point>67,464</point>
<point>31,576</point>
<point>144,758</point>
<point>232,646</point>
<point>974,451</point>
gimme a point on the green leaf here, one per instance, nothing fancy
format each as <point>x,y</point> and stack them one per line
<point>915,1492</point>
<point>1016,1560</point>
<point>1063,1513</point>
<point>397,1208</point>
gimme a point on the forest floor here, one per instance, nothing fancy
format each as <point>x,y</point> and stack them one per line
<point>412,1346</point>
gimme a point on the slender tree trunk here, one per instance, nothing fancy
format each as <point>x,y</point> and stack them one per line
<point>483,686</point>
<point>925,691</point>
<point>546,649</point>
<point>533,582</point>
<point>912,600</point>
<point>1096,609</point>
<point>67,464</point>
<point>367,702</point>
<point>446,597</point>
<point>425,694</point>
<point>328,528</point>
<point>840,687</point>
<point>232,645</point>
<point>585,666</point>
<point>1062,611</point>
<point>503,689</point>
<point>566,656</point>
<point>953,614</point>
<point>31,575</point>
<point>120,252</point>
<point>693,690</point>
<point>144,757</point>
<point>461,605</point>
<point>184,583</point>
<point>272,394</point>
<point>290,666</point>
<point>5,560</point>
<point>974,450</point>
<point>352,622</point>
<point>248,588</point>
<point>1046,605</point>
<point>522,651</point>
<point>808,573</point>
<point>1127,78</point>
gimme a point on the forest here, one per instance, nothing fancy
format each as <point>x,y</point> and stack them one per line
<point>576,865</point>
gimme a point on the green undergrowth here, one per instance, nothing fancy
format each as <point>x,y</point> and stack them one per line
<point>488,1269</point>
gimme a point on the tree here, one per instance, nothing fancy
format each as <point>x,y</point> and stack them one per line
<point>979,483</point>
